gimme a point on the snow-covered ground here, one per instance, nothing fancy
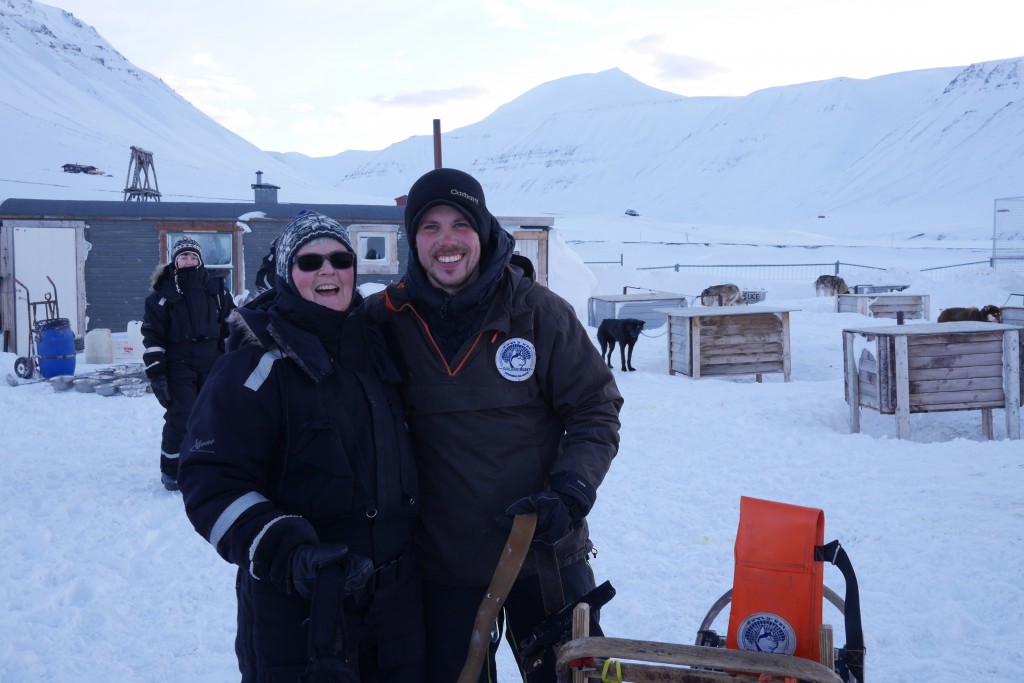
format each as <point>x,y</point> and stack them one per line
<point>103,579</point>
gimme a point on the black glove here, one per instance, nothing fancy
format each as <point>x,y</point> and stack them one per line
<point>161,391</point>
<point>559,510</point>
<point>306,560</point>
<point>553,518</point>
<point>154,363</point>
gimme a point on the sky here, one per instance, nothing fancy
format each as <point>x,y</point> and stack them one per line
<point>321,78</point>
<point>103,579</point>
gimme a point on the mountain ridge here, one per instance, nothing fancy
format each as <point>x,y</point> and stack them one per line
<point>932,147</point>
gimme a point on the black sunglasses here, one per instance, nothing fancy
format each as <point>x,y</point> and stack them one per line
<point>309,263</point>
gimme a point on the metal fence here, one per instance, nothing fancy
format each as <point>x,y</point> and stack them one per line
<point>1008,229</point>
<point>777,272</point>
<point>802,272</point>
<point>1015,265</point>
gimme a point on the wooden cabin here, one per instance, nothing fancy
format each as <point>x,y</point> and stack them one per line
<point>100,255</point>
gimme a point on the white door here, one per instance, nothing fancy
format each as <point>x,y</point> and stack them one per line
<point>41,252</point>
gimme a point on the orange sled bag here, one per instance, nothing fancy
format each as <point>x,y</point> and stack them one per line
<point>777,585</point>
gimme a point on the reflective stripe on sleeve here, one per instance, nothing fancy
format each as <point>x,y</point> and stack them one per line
<point>231,513</point>
<point>262,369</point>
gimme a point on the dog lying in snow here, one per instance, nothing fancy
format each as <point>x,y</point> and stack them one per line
<point>625,331</point>
<point>722,295</point>
<point>988,314</point>
<point>830,285</point>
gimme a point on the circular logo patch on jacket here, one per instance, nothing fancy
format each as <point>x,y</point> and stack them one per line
<point>516,359</point>
<point>766,632</point>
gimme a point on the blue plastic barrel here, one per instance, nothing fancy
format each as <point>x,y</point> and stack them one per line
<point>55,344</point>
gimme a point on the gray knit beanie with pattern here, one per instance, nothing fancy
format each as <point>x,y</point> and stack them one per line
<point>305,227</point>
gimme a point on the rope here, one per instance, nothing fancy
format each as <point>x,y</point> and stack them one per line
<point>655,336</point>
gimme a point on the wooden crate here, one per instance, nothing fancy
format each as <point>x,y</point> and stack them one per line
<point>934,367</point>
<point>913,306</point>
<point>728,341</point>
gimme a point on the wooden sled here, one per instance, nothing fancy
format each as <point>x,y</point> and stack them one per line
<point>778,546</point>
<point>640,661</point>
<point>643,661</point>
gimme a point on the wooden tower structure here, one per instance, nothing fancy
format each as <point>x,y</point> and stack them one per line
<point>137,187</point>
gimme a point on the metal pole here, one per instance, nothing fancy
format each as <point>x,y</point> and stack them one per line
<point>437,143</point>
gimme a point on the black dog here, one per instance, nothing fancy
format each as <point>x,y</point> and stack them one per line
<point>625,331</point>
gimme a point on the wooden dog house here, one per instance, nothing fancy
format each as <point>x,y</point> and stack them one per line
<point>728,340</point>
<point>885,305</point>
<point>649,307</point>
<point>933,367</point>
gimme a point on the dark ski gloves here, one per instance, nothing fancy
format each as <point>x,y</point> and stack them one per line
<point>161,391</point>
<point>305,561</point>
<point>578,494</point>
<point>553,518</point>
<point>558,510</point>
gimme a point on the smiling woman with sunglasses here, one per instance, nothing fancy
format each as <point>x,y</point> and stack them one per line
<point>297,468</point>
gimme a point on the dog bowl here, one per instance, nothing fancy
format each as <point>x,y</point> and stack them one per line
<point>103,376</point>
<point>84,385</point>
<point>106,389</point>
<point>133,390</point>
<point>62,382</point>
<point>130,386</point>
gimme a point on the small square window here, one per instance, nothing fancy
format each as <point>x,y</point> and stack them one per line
<point>373,248</point>
<point>377,248</point>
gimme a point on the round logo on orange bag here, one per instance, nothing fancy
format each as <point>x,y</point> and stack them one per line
<point>766,632</point>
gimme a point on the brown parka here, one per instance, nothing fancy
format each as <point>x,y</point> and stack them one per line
<point>527,397</point>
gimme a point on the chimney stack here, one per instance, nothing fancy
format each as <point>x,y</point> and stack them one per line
<point>265,192</point>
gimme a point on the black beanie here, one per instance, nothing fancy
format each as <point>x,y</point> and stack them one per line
<point>454,188</point>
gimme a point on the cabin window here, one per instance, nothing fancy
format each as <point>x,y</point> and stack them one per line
<point>377,248</point>
<point>218,253</point>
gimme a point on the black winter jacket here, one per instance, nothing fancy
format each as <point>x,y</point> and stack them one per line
<point>290,444</point>
<point>526,397</point>
<point>184,320</point>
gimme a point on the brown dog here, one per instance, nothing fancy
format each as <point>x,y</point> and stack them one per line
<point>722,295</point>
<point>830,285</point>
<point>988,314</point>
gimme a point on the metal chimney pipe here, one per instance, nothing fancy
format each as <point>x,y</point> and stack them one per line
<point>437,143</point>
<point>259,177</point>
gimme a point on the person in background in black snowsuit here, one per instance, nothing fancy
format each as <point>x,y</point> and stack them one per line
<point>183,331</point>
<point>512,411</point>
<point>297,467</point>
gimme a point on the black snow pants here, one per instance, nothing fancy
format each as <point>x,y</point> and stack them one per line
<point>188,366</point>
<point>451,610</point>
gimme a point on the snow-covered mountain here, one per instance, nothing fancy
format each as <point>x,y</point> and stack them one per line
<point>938,144</point>
<point>928,150</point>
<point>69,97</point>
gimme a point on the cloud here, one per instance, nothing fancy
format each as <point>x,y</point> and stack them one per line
<point>204,60</point>
<point>301,107</point>
<point>557,10</point>
<point>504,15</point>
<point>425,98</point>
<point>670,65</point>
<point>209,89</point>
